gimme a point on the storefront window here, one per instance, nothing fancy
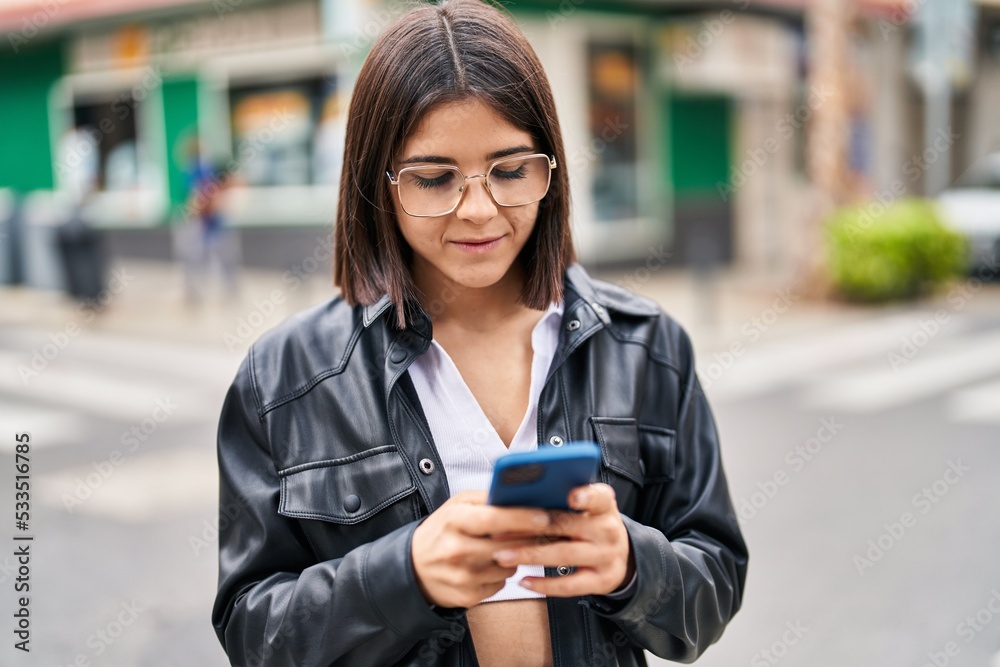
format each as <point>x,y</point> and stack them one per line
<point>613,72</point>
<point>100,151</point>
<point>289,133</point>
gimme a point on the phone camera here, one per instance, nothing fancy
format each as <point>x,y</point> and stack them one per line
<point>525,474</point>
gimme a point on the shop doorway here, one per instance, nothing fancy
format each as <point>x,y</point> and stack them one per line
<point>699,132</point>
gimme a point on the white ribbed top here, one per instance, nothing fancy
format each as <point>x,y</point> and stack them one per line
<point>466,440</point>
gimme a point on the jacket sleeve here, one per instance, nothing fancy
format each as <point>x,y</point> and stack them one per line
<point>690,556</point>
<point>276,606</point>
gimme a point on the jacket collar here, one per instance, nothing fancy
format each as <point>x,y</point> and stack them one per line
<point>603,296</point>
<point>373,310</point>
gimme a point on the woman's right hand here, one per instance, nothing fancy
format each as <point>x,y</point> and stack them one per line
<point>452,549</point>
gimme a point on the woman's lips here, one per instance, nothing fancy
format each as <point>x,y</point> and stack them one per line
<point>483,246</point>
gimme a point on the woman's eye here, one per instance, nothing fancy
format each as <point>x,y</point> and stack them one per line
<point>510,174</point>
<point>430,181</point>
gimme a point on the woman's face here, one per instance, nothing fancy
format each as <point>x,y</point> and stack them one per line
<point>469,135</point>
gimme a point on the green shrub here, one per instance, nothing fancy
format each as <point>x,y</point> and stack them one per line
<point>879,253</point>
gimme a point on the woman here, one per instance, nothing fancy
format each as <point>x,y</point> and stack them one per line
<point>357,440</point>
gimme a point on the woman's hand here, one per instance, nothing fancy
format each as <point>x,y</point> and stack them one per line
<point>594,541</point>
<point>452,550</point>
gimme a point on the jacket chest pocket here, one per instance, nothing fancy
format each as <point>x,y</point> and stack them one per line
<point>633,455</point>
<point>351,500</point>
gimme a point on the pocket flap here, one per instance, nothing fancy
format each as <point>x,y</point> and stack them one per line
<point>658,446</point>
<point>619,440</point>
<point>345,490</point>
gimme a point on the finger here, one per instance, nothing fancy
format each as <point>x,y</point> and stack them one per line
<point>569,525</point>
<point>485,520</point>
<point>585,581</point>
<point>469,497</point>
<point>593,498</point>
<point>471,555</point>
<point>582,525</point>
<point>577,554</point>
<point>510,537</point>
<point>466,563</point>
<point>474,564</point>
<point>526,538</point>
<point>493,573</point>
<point>473,574</point>
<point>492,546</point>
<point>479,552</point>
<point>467,593</point>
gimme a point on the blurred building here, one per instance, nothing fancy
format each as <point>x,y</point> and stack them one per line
<point>686,122</point>
<point>983,91</point>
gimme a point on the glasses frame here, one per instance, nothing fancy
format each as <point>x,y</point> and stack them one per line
<point>395,176</point>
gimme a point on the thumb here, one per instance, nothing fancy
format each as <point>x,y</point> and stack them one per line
<point>470,497</point>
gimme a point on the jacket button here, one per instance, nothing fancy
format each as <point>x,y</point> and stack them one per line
<point>573,325</point>
<point>556,441</point>
<point>352,503</point>
<point>563,570</point>
<point>397,356</point>
<point>426,466</point>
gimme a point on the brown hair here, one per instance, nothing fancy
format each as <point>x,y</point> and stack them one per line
<point>429,56</point>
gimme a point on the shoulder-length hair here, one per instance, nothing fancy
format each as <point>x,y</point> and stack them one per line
<point>429,56</point>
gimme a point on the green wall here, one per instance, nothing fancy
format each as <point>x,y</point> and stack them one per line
<point>699,148</point>
<point>554,9</point>
<point>180,120</point>
<point>26,78</point>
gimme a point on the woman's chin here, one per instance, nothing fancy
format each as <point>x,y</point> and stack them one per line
<point>477,279</point>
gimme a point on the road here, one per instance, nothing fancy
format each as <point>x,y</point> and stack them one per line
<point>861,457</point>
<point>862,463</point>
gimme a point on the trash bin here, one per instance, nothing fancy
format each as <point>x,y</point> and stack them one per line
<point>39,216</point>
<point>81,248</point>
<point>8,257</point>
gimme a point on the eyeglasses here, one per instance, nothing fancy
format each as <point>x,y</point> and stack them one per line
<point>428,191</point>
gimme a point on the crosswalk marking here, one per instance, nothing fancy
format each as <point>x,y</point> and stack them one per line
<point>120,378</point>
<point>112,377</point>
<point>767,367</point>
<point>138,489</point>
<point>980,403</point>
<point>876,387</point>
<point>79,388</point>
<point>171,359</point>
<point>47,426</point>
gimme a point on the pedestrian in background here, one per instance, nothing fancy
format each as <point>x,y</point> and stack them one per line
<point>204,244</point>
<point>358,438</point>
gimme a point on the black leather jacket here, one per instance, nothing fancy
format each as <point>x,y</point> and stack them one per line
<point>327,466</point>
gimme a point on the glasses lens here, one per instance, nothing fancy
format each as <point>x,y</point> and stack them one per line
<point>520,180</point>
<point>432,190</point>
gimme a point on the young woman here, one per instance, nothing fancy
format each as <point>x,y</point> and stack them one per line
<point>357,441</point>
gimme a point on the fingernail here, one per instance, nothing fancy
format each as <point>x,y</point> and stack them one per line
<point>582,497</point>
<point>504,555</point>
<point>526,583</point>
<point>541,519</point>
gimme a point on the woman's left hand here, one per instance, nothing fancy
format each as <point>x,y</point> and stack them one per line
<point>593,541</point>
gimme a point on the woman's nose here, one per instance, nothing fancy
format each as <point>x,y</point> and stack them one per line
<point>477,204</point>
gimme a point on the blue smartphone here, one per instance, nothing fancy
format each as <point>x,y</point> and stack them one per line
<point>543,478</point>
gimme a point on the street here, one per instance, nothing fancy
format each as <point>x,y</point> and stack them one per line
<point>865,489</point>
<point>860,456</point>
